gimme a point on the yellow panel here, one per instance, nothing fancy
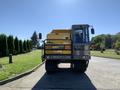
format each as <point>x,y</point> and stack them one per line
<point>54,47</point>
<point>66,52</point>
<point>59,41</point>
<point>58,52</point>
<point>48,47</point>
<point>67,47</point>
<point>58,36</point>
<point>61,31</point>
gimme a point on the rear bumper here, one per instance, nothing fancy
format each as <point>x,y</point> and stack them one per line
<point>66,57</point>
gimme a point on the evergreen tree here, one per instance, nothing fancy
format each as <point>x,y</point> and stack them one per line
<point>28,45</point>
<point>34,39</point>
<point>21,46</point>
<point>25,46</point>
<point>3,45</point>
<point>31,47</point>
<point>17,47</point>
<point>11,47</point>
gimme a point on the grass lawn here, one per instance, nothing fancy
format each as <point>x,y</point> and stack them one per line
<point>107,54</point>
<point>21,63</point>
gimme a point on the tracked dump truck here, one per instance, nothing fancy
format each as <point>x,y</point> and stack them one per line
<point>68,46</point>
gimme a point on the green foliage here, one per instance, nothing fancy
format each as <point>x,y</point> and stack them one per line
<point>25,46</point>
<point>17,46</point>
<point>21,46</point>
<point>102,45</point>
<point>108,40</point>
<point>34,39</point>
<point>3,45</point>
<point>11,47</point>
<point>116,37</point>
<point>98,42</point>
<point>117,45</point>
<point>28,46</point>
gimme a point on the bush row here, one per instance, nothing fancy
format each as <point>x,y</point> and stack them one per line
<point>11,45</point>
<point>105,41</point>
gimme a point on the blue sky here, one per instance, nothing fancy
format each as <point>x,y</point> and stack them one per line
<point>22,17</point>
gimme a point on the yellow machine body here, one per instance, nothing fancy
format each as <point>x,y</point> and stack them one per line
<point>61,37</point>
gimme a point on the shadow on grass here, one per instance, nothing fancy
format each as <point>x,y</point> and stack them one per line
<point>64,80</point>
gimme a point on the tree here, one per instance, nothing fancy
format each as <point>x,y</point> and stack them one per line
<point>102,46</point>
<point>28,45</point>
<point>3,45</point>
<point>30,42</point>
<point>11,47</point>
<point>117,45</point>
<point>96,42</point>
<point>25,46</point>
<point>34,39</point>
<point>108,41</point>
<point>17,46</point>
<point>21,46</point>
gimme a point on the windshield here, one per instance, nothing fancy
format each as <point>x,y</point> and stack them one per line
<point>81,36</point>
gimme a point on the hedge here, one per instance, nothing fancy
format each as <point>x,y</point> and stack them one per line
<point>11,45</point>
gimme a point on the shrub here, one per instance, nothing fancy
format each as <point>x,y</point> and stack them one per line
<point>11,47</point>
<point>21,46</point>
<point>17,46</point>
<point>117,47</point>
<point>28,45</point>
<point>25,46</point>
<point>3,45</point>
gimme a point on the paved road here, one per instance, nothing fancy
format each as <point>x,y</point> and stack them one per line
<point>102,74</point>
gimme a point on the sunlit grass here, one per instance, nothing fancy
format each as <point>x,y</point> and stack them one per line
<point>21,63</point>
<point>110,53</point>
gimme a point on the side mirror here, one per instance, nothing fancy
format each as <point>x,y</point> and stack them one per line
<point>40,35</point>
<point>92,31</point>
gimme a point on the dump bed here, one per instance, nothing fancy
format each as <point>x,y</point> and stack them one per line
<point>58,42</point>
